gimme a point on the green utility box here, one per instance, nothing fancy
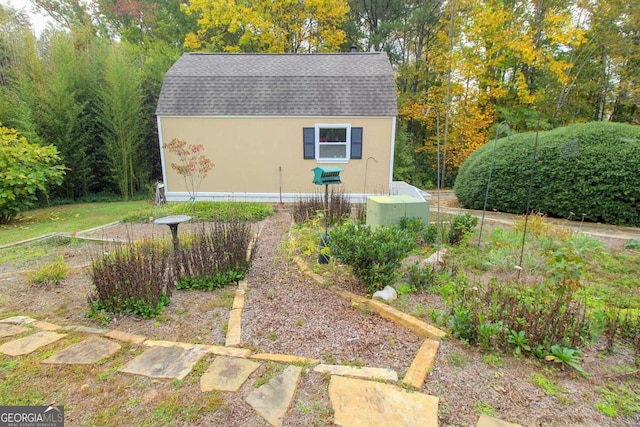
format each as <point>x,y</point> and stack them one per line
<point>325,175</point>
<point>388,210</point>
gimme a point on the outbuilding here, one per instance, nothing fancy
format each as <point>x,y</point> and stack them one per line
<point>267,120</point>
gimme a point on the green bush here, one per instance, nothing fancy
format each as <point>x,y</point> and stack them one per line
<point>590,169</point>
<point>25,170</point>
<point>461,225</point>
<point>374,254</point>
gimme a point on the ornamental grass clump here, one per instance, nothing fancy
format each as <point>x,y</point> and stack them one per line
<point>134,277</point>
<point>52,273</point>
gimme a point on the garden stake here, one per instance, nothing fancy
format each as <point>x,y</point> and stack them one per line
<point>502,127</point>
<point>437,113</point>
<point>559,105</point>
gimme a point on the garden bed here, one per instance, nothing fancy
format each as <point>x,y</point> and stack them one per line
<point>285,312</point>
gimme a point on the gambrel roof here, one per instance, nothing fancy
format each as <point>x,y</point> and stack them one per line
<point>319,84</point>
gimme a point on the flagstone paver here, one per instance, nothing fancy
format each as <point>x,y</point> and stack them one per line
<point>91,350</point>
<point>18,320</point>
<point>227,374</point>
<point>234,328</point>
<point>9,330</point>
<point>165,343</point>
<point>422,364</point>
<point>272,400</point>
<point>381,374</point>
<point>30,343</point>
<point>207,348</point>
<point>46,326</point>
<point>126,337</point>
<point>285,358</point>
<point>164,362</point>
<point>487,421</point>
<point>226,351</point>
<point>86,329</point>
<point>238,299</point>
<point>368,403</point>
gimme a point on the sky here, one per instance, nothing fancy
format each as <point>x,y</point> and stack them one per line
<point>38,21</point>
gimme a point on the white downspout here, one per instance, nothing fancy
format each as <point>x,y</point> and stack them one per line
<point>393,147</point>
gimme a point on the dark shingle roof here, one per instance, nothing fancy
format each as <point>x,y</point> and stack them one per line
<point>233,84</point>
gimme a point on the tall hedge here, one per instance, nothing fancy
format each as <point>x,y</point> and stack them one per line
<point>591,169</point>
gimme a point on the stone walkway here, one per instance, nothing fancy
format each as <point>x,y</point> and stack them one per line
<point>364,396</point>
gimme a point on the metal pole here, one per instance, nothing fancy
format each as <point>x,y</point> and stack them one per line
<point>493,157</point>
<point>437,113</point>
<point>520,267</point>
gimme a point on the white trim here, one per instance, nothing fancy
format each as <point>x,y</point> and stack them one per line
<point>346,144</point>
<point>183,196</point>
<point>393,149</point>
<point>162,161</point>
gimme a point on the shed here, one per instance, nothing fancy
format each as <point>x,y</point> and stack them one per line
<point>267,120</point>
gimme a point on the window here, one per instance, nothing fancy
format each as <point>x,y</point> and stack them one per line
<point>332,143</point>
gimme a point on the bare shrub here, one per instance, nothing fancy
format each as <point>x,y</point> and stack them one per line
<point>134,277</point>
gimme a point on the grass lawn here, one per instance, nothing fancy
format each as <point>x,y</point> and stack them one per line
<point>67,218</point>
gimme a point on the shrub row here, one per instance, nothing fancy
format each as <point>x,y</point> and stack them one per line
<point>590,170</point>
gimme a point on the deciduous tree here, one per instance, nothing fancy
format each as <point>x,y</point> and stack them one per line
<point>25,169</point>
<point>266,26</point>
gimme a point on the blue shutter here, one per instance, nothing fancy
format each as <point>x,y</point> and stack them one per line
<point>309,143</point>
<point>356,143</point>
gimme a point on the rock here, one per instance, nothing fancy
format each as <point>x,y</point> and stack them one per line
<point>387,294</point>
<point>435,261</point>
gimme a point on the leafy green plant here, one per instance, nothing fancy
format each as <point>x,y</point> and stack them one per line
<point>461,225</point>
<point>487,333</point>
<point>405,289</point>
<point>373,254</point>
<point>565,356</point>
<point>53,273</point>
<point>430,234</point>
<point>462,325</point>
<point>25,170</point>
<point>420,277</point>
<point>414,226</point>
<point>519,340</point>
<point>218,280</point>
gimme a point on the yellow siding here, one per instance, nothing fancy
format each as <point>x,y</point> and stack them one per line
<point>247,153</point>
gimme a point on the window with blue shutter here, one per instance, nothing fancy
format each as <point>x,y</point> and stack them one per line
<point>335,143</point>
